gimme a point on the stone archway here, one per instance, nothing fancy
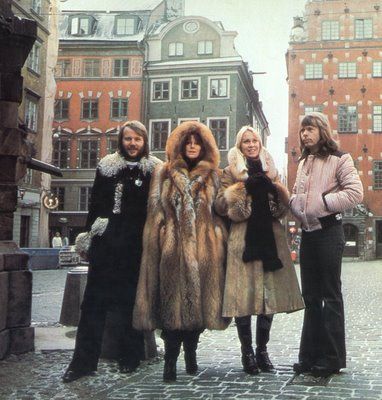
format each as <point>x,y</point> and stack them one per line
<point>351,238</point>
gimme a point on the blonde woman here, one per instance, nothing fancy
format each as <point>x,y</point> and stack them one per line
<point>260,278</point>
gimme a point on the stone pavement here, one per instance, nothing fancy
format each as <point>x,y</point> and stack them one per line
<point>38,375</point>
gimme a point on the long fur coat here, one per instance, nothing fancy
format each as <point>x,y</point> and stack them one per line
<point>182,272</point>
<point>248,289</point>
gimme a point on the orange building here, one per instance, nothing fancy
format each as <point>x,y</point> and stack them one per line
<point>334,65</point>
<point>99,87</point>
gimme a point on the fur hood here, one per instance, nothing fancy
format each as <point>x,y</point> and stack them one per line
<point>111,164</point>
<point>174,143</point>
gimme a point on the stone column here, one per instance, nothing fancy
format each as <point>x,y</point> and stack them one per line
<point>16,40</point>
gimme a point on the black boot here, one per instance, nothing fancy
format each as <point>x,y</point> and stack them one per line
<point>263,327</point>
<point>190,344</point>
<point>247,354</point>
<point>172,345</point>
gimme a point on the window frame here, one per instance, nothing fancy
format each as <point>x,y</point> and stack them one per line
<point>205,51</point>
<point>121,67</point>
<point>59,192</point>
<point>363,36</point>
<point>153,81</point>
<point>136,24</point>
<point>176,45</point>
<point>60,161</point>
<point>88,190</point>
<point>89,159</point>
<point>346,76</point>
<point>226,118</point>
<point>377,186</point>
<point>314,108</point>
<point>380,69</point>
<point>218,77</point>
<point>331,22</point>
<point>151,122</point>
<point>31,104</point>
<point>91,101</point>
<point>180,87</point>
<point>90,25</point>
<point>119,100</point>
<point>314,77</point>
<point>92,61</point>
<point>61,102</point>
<point>36,6</point>
<point>379,130</point>
<point>34,58</point>
<point>339,129</point>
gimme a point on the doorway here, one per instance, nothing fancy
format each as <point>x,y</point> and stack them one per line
<point>351,238</point>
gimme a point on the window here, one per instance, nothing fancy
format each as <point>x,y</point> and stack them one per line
<point>189,89</point>
<point>28,177</point>
<point>82,26</point>
<point>161,91</point>
<point>218,88</point>
<point>91,68</point>
<point>125,26</point>
<point>175,49</point>
<point>61,109</point>
<point>347,119</point>
<point>36,6</point>
<point>64,68</point>
<point>377,118</point>
<point>112,145</point>
<point>31,114</point>
<point>377,69</point>
<point>205,47</point>
<point>121,67</point>
<point>85,195</point>
<point>377,174</point>
<point>330,30</point>
<point>363,28</point>
<point>34,58</point>
<point>159,134</point>
<point>313,108</point>
<point>219,128</point>
<point>88,153</point>
<point>119,108</point>
<point>347,70</point>
<point>89,109</point>
<point>59,192</point>
<point>313,71</point>
<point>60,154</point>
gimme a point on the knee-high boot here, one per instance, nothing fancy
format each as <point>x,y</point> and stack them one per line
<point>248,359</point>
<point>190,344</point>
<point>263,327</point>
<point>172,343</point>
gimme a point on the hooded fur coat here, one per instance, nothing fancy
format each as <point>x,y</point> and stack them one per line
<point>182,272</point>
<point>248,289</point>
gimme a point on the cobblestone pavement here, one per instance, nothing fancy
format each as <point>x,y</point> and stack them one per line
<point>38,375</point>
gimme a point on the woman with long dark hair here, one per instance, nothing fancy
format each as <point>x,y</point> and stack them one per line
<point>181,281</point>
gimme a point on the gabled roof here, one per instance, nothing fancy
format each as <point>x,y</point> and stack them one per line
<point>109,5</point>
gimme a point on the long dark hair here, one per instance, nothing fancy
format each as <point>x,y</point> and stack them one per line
<point>185,140</point>
<point>326,145</point>
<point>140,130</point>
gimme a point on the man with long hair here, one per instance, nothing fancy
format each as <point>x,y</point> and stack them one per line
<point>327,184</point>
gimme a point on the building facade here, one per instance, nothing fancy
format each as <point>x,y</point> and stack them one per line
<point>334,64</point>
<point>30,218</point>
<point>99,87</point>
<point>194,73</point>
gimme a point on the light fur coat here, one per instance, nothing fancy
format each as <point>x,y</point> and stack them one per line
<point>248,289</point>
<point>182,272</point>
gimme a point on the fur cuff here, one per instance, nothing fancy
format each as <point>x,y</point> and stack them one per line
<point>283,193</point>
<point>238,202</point>
<point>83,240</point>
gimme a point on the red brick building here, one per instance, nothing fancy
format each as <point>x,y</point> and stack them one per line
<point>334,65</point>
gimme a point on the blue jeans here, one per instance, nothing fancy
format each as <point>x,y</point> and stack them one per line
<point>323,332</point>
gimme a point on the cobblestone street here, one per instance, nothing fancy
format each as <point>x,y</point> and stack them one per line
<point>38,375</point>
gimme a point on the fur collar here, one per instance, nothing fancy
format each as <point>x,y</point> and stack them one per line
<point>111,164</point>
<point>238,167</point>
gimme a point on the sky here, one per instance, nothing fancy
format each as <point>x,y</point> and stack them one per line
<point>263,28</point>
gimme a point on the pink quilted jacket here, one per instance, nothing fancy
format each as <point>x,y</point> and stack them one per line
<point>324,186</point>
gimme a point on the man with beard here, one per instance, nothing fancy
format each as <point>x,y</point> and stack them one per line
<point>113,246</point>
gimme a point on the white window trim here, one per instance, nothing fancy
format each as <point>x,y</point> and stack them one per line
<point>228,87</point>
<point>153,81</point>
<point>150,130</point>
<point>227,119</point>
<point>191,78</point>
<point>188,119</point>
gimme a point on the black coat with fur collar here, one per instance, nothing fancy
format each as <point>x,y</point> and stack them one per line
<point>117,214</point>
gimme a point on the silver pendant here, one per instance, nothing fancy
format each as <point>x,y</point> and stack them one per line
<point>138,182</point>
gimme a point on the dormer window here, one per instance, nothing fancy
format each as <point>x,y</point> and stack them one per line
<point>175,49</point>
<point>82,25</point>
<point>126,25</point>
<point>205,47</point>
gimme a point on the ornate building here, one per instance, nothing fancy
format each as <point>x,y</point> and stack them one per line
<point>334,64</point>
